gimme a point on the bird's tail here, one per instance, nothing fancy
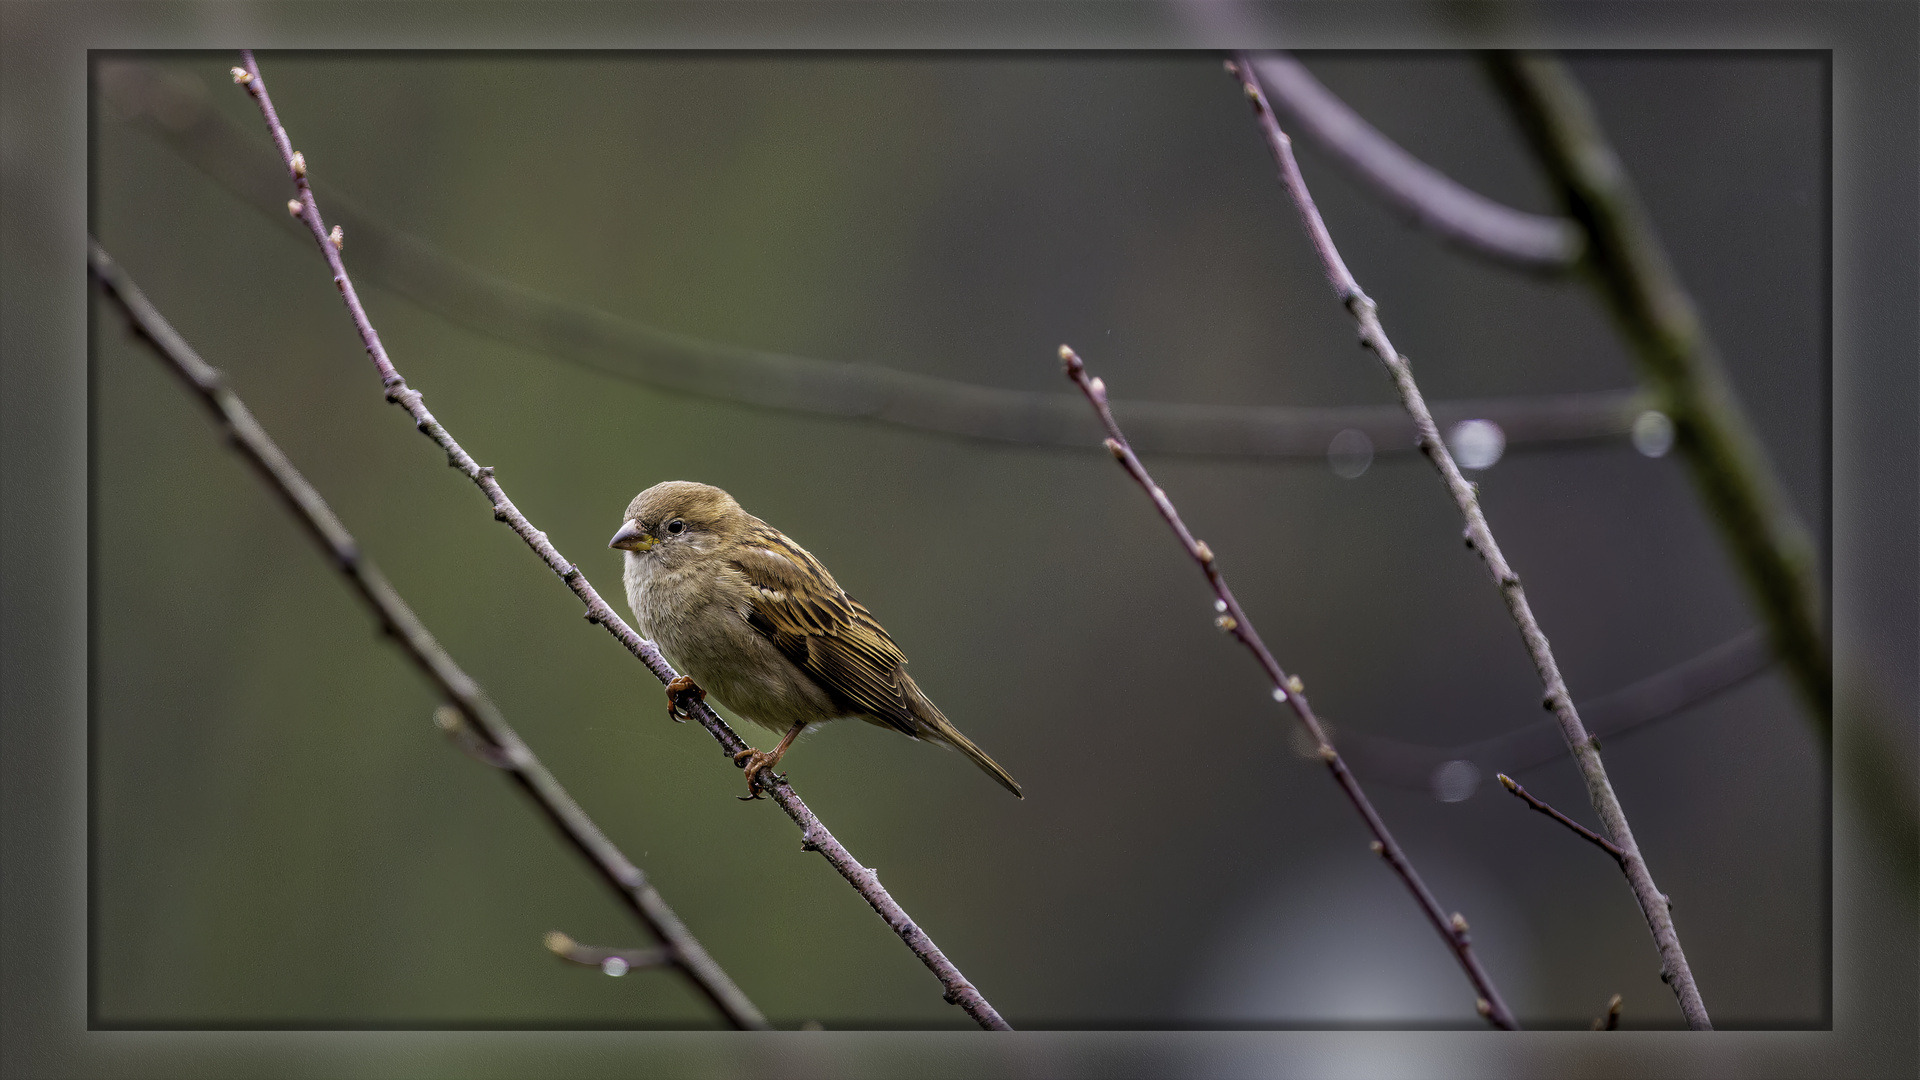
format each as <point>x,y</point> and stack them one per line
<point>935,725</point>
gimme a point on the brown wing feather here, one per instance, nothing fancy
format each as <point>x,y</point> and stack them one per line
<point>798,607</point>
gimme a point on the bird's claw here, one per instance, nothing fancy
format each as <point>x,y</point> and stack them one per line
<point>677,690</point>
<point>755,762</point>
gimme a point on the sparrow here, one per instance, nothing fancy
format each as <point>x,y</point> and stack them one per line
<point>753,619</point>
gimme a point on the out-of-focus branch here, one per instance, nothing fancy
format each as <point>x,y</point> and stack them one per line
<point>813,835</point>
<point>1610,1020</point>
<point>1579,830</point>
<point>1630,268</point>
<point>1657,697</point>
<point>1290,690</point>
<point>1427,196</point>
<point>1479,536</point>
<point>497,742</point>
<point>173,107</point>
<point>612,961</point>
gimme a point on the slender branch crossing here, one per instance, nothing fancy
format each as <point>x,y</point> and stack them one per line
<point>1579,830</point>
<point>1479,536</point>
<point>813,835</point>
<point>1289,689</point>
<point>489,738</point>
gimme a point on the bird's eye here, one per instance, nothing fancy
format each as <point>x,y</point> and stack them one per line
<point>676,526</point>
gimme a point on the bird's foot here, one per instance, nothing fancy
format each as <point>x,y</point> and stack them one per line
<point>677,690</point>
<point>755,762</point>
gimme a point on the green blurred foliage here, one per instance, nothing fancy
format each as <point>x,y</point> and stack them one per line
<point>281,837</point>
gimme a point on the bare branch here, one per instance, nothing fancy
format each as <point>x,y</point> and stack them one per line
<point>1657,697</point>
<point>814,835</point>
<point>624,349</point>
<point>1289,689</point>
<point>1580,830</point>
<point>1426,195</point>
<point>489,738</point>
<point>1479,535</point>
<point>1678,361</point>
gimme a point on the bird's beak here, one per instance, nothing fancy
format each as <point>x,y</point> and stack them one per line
<point>632,537</point>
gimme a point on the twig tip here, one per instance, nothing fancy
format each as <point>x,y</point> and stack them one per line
<point>1507,782</point>
<point>558,943</point>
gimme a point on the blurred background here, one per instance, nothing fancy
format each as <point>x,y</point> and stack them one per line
<point>282,838</point>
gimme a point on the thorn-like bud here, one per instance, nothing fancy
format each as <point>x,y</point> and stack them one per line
<point>338,238</point>
<point>1202,552</point>
<point>1483,1006</point>
<point>486,471</point>
<point>1119,452</point>
<point>294,207</point>
<point>241,76</point>
<point>1377,848</point>
<point>1219,605</point>
<point>1252,92</point>
<point>1279,694</point>
<point>299,164</point>
<point>1232,68</point>
<point>1226,622</point>
<point>447,719</point>
<point>1459,922</point>
<point>1506,782</point>
<point>1294,684</point>
<point>1328,753</point>
<point>1098,386</point>
<point>1071,360</point>
<point>1594,741</point>
<point>558,943</point>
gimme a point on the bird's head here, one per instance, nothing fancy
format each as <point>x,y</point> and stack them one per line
<point>677,519</point>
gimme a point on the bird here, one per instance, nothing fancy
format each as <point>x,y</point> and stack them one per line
<point>752,618</point>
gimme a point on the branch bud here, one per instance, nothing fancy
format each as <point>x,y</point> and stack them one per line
<point>241,76</point>
<point>1119,452</point>
<point>338,238</point>
<point>293,208</point>
<point>1202,552</point>
<point>299,164</point>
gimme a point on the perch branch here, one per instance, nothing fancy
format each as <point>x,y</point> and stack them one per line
<point>1580,830</point>
<point>1479,536</point>
<point>1427,196</point>
<point>493,740</point>
<point>1291,690</point>
<point>173,108</point>
<point>814,836</point>
<point>1629,267</point>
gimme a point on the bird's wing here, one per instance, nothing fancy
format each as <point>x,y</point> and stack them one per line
<point>795,604</point>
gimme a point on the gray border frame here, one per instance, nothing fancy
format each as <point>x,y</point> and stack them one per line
<point>43,473</point>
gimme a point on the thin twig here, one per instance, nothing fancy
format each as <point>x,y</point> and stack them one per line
<point>621,348</point>
<point>813,835</point>
<point>490,737</point>
<point>1610,1021</point>
<point>1427,196</point>
<point>1232,619</point>
<point>1580,830</point>
<point>1657,697</point>
<point>1479,535</point>
<point>1630,268</point>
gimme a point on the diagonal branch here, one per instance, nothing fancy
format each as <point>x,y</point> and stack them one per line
<point>1232,619</point>
<point>1432,199</point>
<point>499,743</point>
<point>813,835</point>
<point>1479,536</point>
<point>623,349</point>
<point>1629,267</point>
